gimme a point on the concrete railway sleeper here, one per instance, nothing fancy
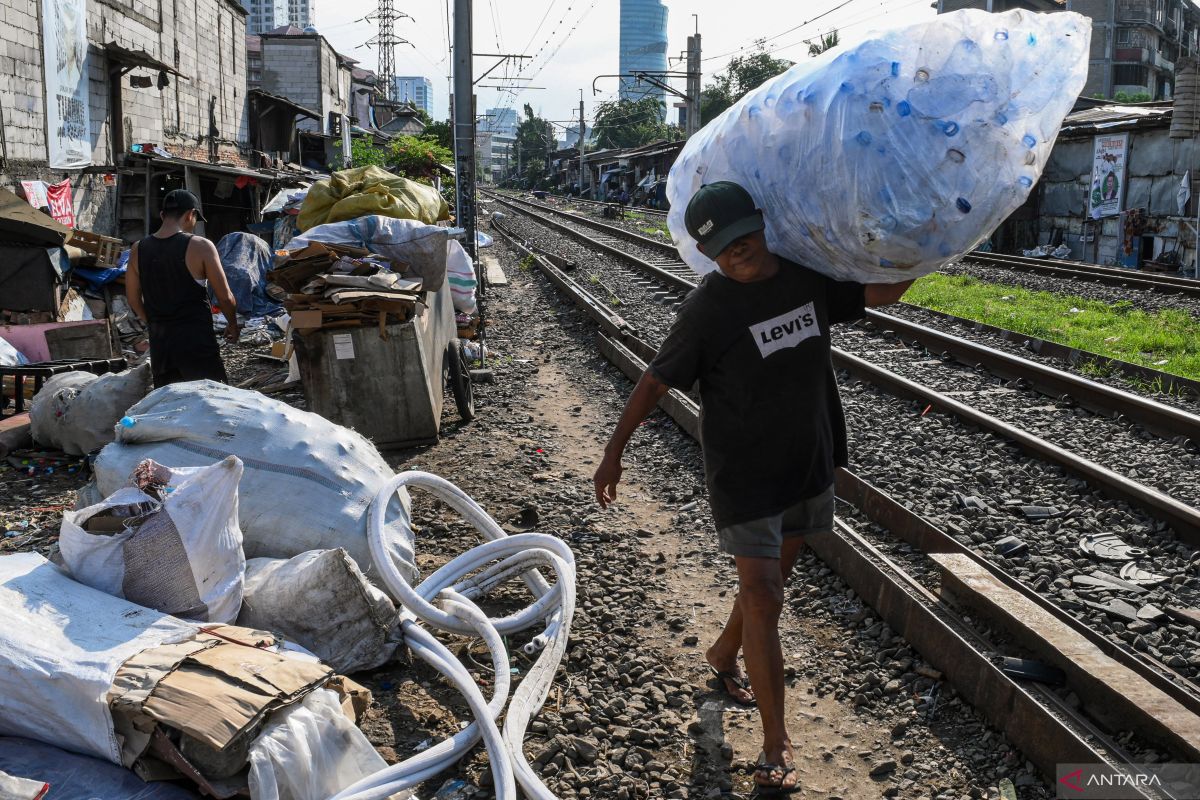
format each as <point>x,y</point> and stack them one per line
<point>1119,690</point>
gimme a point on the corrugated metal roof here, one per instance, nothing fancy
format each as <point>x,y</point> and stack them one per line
<point>1116,117</point>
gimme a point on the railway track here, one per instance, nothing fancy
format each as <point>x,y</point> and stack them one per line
<point>625,345</point>
<point>652,213</point>
<point>1078,270</point>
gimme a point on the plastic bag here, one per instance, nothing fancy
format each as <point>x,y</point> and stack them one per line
<point>11,356</point>
<point>367,191</point>
<point>61,644</point>
<point>307,485</point>
<point>310,751</point>
<point>321,600</point>
<point>460,274</point>
<point>76,411</point>
<point>881,162</point>
<point>75,777</point>
<point>246,259</point>
<point>182,556</point>
<point>421,248</point>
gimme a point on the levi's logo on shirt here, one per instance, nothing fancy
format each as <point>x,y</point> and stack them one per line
<point>786,330</point>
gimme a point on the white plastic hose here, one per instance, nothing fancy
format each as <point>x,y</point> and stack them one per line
<point>500,558</point>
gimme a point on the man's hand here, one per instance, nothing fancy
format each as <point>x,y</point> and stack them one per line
<point>232,332</point>
<point>608,474</point>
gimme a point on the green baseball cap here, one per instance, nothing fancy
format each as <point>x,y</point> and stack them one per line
<point>720,213</point>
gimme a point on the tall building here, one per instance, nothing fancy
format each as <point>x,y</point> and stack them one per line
<point>643,46</point>
<point>301,13</point>
<point>265,15</point>
<point>501,120</point>
<point>415,89</point>
<point>1135,43</point>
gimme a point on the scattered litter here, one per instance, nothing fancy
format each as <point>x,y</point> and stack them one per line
<point>1115,608</point>
<point>1011,547</point>
<point>1151,613</point>
<point>1134,574</point>
<point>1109,547</point>
<point>455,789</point>
<point>1028,670</point>
<point>972,503</point>
<point>1102,581</point>
<point>1040,513</point>
<point>1007,790</point>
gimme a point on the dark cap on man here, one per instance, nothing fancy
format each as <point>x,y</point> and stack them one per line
<point>179,200</point>
<point>719,214</point>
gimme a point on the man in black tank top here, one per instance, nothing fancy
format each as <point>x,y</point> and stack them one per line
<point>167,282</point>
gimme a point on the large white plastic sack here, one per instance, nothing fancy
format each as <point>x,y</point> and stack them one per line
<point>76,411</point>
<point>61,644</point>
<point>881,162</point>
<point>307,485</point>
<point>11,356</point>
<point>186,560</point>
<point>421,247</point>
<point>76,777</point>
<point>310,751</point>
<point>321,600</point>
<point>460,274</point>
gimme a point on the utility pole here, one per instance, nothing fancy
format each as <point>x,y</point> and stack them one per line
<point>464,131</point>
<point>693,85</point>
<point>581,142</point>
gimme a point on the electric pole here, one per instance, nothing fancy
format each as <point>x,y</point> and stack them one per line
<point>581,142</point>
<point>387,40</point>
<point>464,130</point>
<point>693,85</point>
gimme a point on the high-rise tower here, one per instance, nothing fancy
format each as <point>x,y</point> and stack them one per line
<point>643,45</point>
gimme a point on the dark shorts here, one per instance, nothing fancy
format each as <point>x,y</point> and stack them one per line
<point>185,352</point>
<point>763,538</point>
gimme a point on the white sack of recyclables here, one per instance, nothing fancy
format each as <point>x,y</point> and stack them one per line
<point>881,162</point>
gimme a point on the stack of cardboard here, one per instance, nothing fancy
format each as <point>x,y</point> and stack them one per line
<point>336,286</point>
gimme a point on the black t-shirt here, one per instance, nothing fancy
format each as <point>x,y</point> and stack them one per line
<point>771,422</point>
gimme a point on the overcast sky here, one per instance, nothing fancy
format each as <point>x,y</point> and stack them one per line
<point>565,62</point>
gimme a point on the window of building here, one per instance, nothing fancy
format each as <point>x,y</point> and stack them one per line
<point>1123,36</point>
<point>1129,75</point>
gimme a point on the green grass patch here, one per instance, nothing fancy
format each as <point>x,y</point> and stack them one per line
<point>1167,340</point>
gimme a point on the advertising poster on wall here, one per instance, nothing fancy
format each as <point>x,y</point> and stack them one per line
<point>1108,175</point>
<point>68,125</point>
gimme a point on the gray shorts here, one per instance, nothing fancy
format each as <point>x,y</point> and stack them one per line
<point>763,538</point>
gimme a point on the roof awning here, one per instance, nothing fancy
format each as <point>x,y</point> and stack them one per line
<point>173,164</point>
<point>132,59</point>
<point>282,103</point>
<point>647,181</point>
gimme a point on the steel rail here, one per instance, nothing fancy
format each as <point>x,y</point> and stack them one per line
<point>1154,416</point>
<point>652,212</point>
<point>1077,270</point>
<point>1183,518</point>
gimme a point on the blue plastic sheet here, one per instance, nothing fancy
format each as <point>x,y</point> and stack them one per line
<point>246,259</point>
<point>98,277</point>
<point>76,777</point>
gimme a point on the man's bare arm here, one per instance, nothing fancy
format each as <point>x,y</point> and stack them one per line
<point>133,285</point>
<point>884,294</point>
<point>219,284</point>
<point>641,404</point>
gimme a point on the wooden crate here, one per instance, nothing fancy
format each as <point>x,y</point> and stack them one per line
<point>106,249</point>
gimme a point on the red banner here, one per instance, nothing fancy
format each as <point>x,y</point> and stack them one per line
<point>61,207</point>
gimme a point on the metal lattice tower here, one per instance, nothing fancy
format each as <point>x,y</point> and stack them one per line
<point>386,40</point>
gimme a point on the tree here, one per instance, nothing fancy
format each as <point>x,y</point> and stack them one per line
<point>440,132</point>
<point>417,157</point>
<point>535,142</point>
<point>826,41</point>
<point>741,75</point>
<point>629,123</point>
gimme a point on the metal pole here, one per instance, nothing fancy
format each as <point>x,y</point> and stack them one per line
<point>581,142</point>
<point>464,131</point>
<point>693,85</point>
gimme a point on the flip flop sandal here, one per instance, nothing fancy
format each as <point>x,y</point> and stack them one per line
<point>738,681</point>
<point>770,789</point>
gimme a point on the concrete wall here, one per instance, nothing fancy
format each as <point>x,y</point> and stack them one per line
<point>203,39</point>
<point>1154,169</point>
<point>307,71</point>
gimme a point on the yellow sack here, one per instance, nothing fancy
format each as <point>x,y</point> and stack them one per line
<point>364,191</point>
